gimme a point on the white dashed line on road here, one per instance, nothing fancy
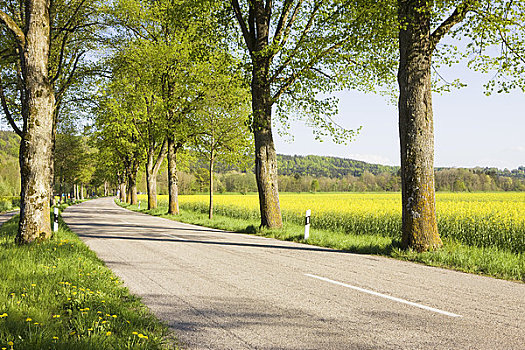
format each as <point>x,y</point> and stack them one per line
<point>399,300</point>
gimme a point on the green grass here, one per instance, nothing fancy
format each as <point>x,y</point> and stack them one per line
<point>59,295</point>
<point>489,261</point>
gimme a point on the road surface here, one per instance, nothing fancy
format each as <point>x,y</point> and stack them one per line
<point>5,216</point>
<point>220,290</point>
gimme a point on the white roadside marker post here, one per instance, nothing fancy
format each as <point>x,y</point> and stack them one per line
<point>55,220</point>
<point>139,205</point>
<point>307,225</point>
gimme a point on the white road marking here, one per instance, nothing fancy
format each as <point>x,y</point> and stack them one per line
<point>428,308</point>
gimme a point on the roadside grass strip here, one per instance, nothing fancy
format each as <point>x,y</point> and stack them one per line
<point>493,261</point>
<point>58,295</point>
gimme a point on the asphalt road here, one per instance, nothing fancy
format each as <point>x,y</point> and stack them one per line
<point>220,290</point>
<point>6,216</point>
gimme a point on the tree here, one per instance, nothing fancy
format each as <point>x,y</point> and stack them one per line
<point>139,65</point>
<point>181,34</point>
<point>38,66</point>
<point>423,24</point>
<point>118,116</point>
<point>298,49</point>
<point>314,185</point>
<point>32,44</point>
<point>224,134</point>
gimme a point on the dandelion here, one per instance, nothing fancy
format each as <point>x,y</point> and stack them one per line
<point>3,315</point>
<point>108,333</point>
<point>29,319</point>
<point>90,329</point>
<point>55,338</point>
<point>134,333</point>
<point>142,336</point>
<point>56,316</point>
<point>114,316</point>
<point>33,285</point>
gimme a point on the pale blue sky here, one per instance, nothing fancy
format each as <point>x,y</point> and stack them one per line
<point>471,129</point>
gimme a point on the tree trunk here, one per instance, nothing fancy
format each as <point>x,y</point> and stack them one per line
<point>36,145</point>
<point>416,129</point>
<point>132,187</point>
<point>173,205</point>
<point>82,190</point>
<point>151,180</point>
<point>210,210</point>
<point>152,169</point>
<point>123,192</point>
<point>265,156</point>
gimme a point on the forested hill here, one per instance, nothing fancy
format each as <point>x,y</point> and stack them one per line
<point>333,167</point>
<point>9,145</point>
<point>9,168</point>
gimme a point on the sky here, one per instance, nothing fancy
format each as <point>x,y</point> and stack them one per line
<point>470,128</point>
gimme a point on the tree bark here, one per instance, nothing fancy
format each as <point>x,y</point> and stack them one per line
<point>123,192</point>
<point>173,204</point>
<point>132,187</point>
<point>265,155</point>
<point>419,229</point>
<point>152,169</point>
<point>37,110</point>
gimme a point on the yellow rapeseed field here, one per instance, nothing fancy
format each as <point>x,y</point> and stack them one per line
<point>481,219</point>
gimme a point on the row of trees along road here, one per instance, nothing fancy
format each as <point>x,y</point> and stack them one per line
<point>173,84</point>
<point>172,63</point>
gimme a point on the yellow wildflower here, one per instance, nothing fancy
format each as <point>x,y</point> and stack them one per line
<point>108,333</point>
<point>3,315</point>
<point>29,319</point>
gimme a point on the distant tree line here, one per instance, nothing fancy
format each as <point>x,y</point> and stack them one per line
<point>313,178</point>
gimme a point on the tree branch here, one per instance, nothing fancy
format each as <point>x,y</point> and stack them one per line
<point>456,17</point>
<point>14,28</point>
<point>292,78</point>
<point>60,59</point>
<point>307,29</point>
<point>162,154</point>
<point>287,6</point>
<point>248,37</point>
<point>7,113</point>
<point>62,90</point>
<point>288,28</point>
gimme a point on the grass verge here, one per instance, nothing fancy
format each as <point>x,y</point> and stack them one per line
<point>59,295</point>
<point>491,261</point>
